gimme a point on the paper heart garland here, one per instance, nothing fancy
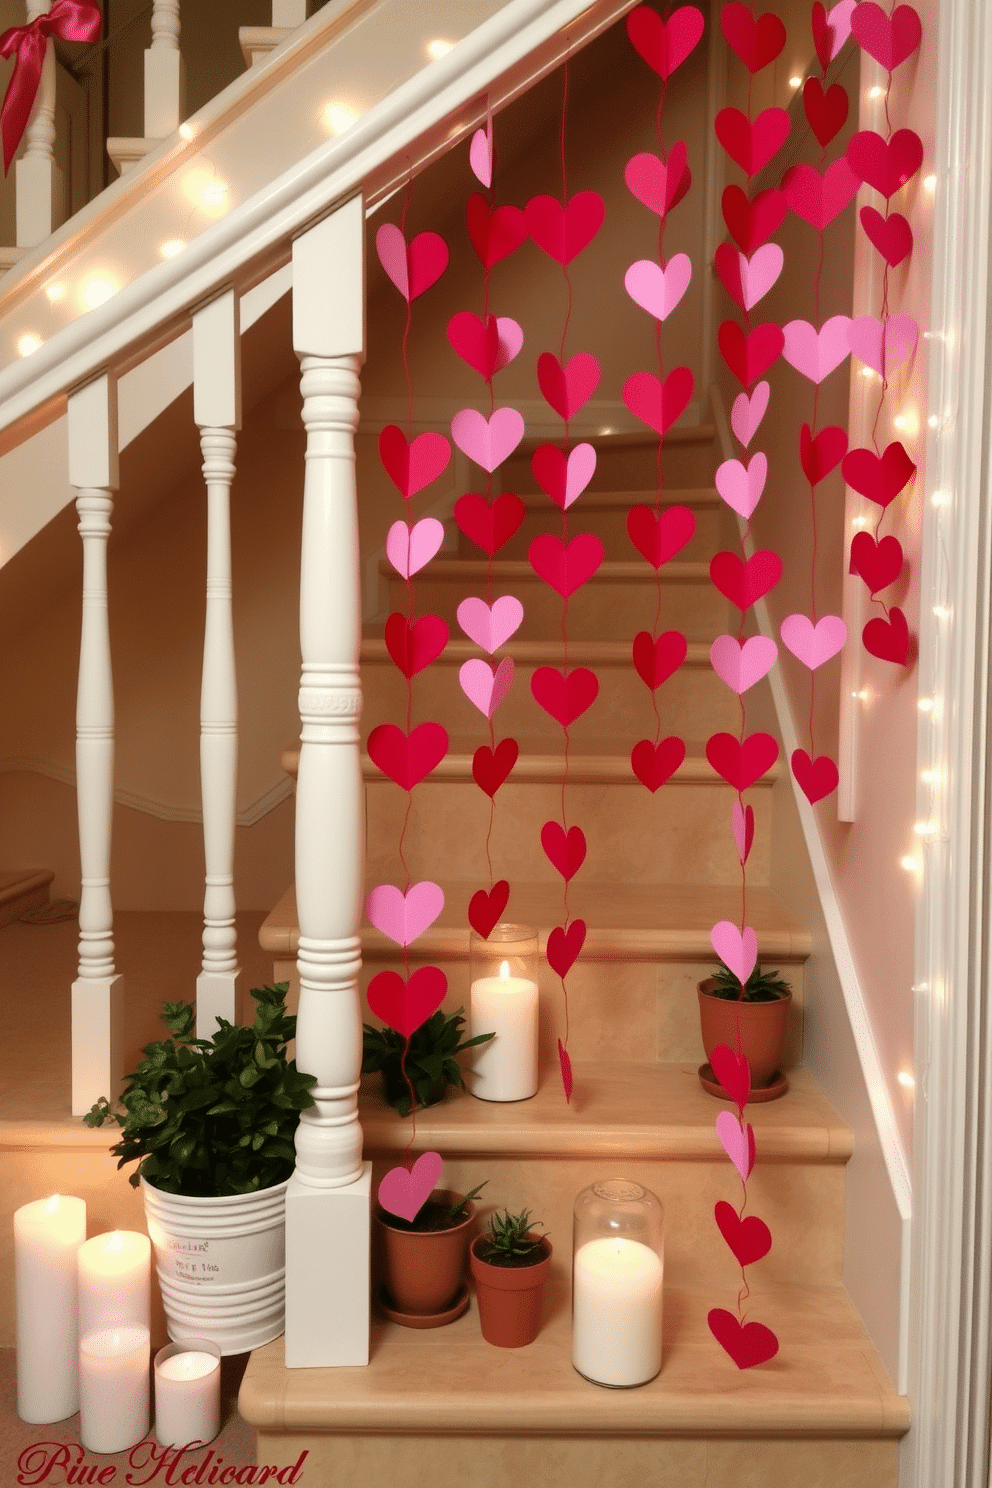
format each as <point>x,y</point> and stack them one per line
<point>751,223</point>
<point>407,758</point>
<point>745,582</point>
<point>749,355</point>
<point>737,1141</point>
<point>410,548</point>
<point>658,290</point>
<point>486,685</point>
<point>734,1074</point>
<point>892,235</point>
<point>883,345</point>
<point>819,199</point>
<point>746,1343</point>
<point>404,916</point>
<point>487,346</point>
<point>737,949</point>
<point>564,946</point>
<point>564,695</point>
<point>659,184</point>
<point>566,567</point>
<point>751,144</point>
<point>890,39</point>
<point>412,466</point>
<point>878,563</point>
<point>665,45</point>
<point>813,644</point>
<point>563,479</point>
<point>489,527</point>
<point>487,441</point>
<point>490,626</point>
<point>742,825</point>
<point>413,647</point>
<point>741,764</point>
<point>565,851</point>
<point>757,41</point>
<point>817,353</point>
<point>413,267</point>
<point>748,280</point>
<point>888,639</point>
<point>816,777</point>
<point>741,484</point>
<point>750,1239</point>
<point>826,111</point>
<point>656,660</point>
<point>879,477</point>
<point>885,164</point>
<point>562,232</point>
<point>567,388</point>
<point>831,31</point>
<point>822,454</point>
<point>405,1193</point>
<point>495,233</point>
<point>490,767</point>
<point>480,153</point>
<point>653,764</point>
<point>659,404</point>
<point>740,664</point>
<point>484,909</point>
<point>747,412</point>
<point>405,1005</point>
<point>659,537</point>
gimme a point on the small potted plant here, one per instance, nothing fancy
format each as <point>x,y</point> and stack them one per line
<point>751,1020</point>
<point>424,1259</point>
<point>510,1265</point>
<point>431,1060</point>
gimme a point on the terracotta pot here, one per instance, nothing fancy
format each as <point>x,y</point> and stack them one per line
<point>424,1269</point>
<point>510,1298</point>
<point>761,1025</point>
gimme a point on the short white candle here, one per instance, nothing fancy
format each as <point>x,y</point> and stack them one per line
<point>113,1388</point>
<point>48,1234</point>
<point>187,1394</point>
<point>505,1069</point>
<point>616,1311</point>
<point>115,1281</point>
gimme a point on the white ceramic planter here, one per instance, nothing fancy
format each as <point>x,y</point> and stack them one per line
<point>221,1265</point>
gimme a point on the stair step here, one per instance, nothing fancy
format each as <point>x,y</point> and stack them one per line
<point>628,462</point>
<point>605,514</point>
<point>21,890</point>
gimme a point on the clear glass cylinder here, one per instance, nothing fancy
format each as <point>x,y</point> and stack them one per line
<point>503,1000</point>
<point>618,1269</point>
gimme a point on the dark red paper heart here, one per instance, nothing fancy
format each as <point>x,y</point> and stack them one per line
<point>757,41</point>
<point>405,1005</point>
<point>890,39</point>
<point>727,262</point>
<point>885,164</point>
<point>476,341</point>
<point>888,639</point>
<point>749,1238</point>
<point>746,1343</point>
<point>412,466</point>
<point>568,388</point>
<point>659,184</point>
<point>484,909</point>
<point>564,946</point>
<point>653,764</point>
<point>495,233</point>
<point>826,111</point>
<point>751,224</point>
<point>731,1069</point>
<point>748,833</point>
<point>823,34</point>
<point>658,537</point>
<point>741,764</point>
<point>819,455</point>
<point>664,46</point>
<point>489,527</point>
<point>565,568</point>
<point>407,759</point>
<point>565,695</point>
<point>566,1070</point>
<point>750,356</point>
<point>659,404</point>
<point>892,235</point>
<point>878,563</point>
<point>563,232</point>
<point>490,767</point>
<point>656,660</point>
<point>565,852</point>
<point>879,477</point>
<point>413,647</point>
<point>745,583</point>
<point>752,144</point>
<point>817,777</point>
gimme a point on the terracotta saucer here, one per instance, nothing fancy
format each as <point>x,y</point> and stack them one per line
<point>710,1083</point>
<point>423,1319</point>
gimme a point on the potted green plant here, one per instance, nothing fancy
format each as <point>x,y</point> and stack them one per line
<point>431,1060</point>
<point>423,1259</point>
<point>510,1265</point>
<point>210,1123</point>
<point>751,1019</point>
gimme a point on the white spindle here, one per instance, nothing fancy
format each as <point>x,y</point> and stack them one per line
<point>289,12</point>
<point>217,411</point>
<point>165,77</point>
<point>97,992</point>
<point>328,1201</point>
<point>38,185</point>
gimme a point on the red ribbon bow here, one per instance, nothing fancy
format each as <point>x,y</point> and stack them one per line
<point>72,20</point>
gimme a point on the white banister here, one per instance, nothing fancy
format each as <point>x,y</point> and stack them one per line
<point>97,992</point>
<point>38,185</point>
<point>217,412</point>
<point>328,1200</point>
<point>165,78</point>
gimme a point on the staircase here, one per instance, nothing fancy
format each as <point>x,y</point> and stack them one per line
<point>659,871</point>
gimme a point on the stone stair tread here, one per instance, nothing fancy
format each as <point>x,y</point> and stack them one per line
<point>22,889</point>
<point>825,1381</point>
<point>516,570</point>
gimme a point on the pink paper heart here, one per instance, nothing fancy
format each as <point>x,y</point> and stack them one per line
<point>658,290</point>
<point>737,1141</point>
<point>741,485</point>
<point>817,353</point>
<point>563,480</point>
<point>412,267</point>
<point>487,441</point>
<point>819,199</point>
<point>405,1193</point>
<point>742,822</point>
<point>748,280</point>
<point>741,664</point>
<point>480,153</point>
<point>747,413</point>
<point>813,644</point>
<point>834,29</point>
<point>404,916</point>
<point>408,549</point>
<point>483,686</point>
<point>883,346</point>
<point>659,184</point>
<point>737,950</point>
<point>490,626</point>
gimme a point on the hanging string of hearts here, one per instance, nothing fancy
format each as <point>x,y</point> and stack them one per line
<point>562,230</point>
<point>487,345</point>
<point>884,342</point>
<point>408,754</point>
<point>659,534</point>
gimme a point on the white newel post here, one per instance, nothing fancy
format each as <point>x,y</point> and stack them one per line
<point>165,76</point>
<point>217,411</point>
<point>97,992</point>
<point>328,1200</point>
<point>289,12</point>
<point>38,184</point>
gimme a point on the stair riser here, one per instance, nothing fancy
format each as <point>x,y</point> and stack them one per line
<point>609,523</point>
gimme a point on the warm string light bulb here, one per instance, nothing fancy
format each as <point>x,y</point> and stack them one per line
<point>906,1079</point>
<point>439,48</point>
<point>28,344</point>
<point>338,118</point>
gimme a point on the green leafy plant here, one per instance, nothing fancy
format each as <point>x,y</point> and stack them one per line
<point>433,1215</point>
<point>761,986</point>
<point>213,1116</point>
<point>509,1243</point>
<point>431,1062</point>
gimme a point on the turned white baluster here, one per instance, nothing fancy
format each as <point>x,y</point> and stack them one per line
<point>217,411</point>
<point>38,184</point>
<point>328,1200</point>
<point>97,992</point>
<point>165,75</point>
<point>289,12</point>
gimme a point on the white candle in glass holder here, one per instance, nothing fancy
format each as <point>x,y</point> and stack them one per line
<point>48,1234</point>
<point>115,1281</point>
<point>616,1311</point>
<point>505,1069</point>
<point>113,1388</point>
<point>187,1393</point>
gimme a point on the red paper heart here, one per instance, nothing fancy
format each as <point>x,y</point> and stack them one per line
<point>405,1005</point>
<point>826,111</point>
<point>659,184</point>
<point>495,233</point>
<point>756,41</point>
<point>751,224</point>
<point>749,1238</point>
<point>563,231</point>
<point>653,764</point>
<point>658,537</point>
<point>888,639</point>
<point>564,947</point>
<point>746,1343</point>
<point>823,35</point>
<point>565,567</point>
<point>752,145</point>
<point>550,467</point>
<point>664,46</point>
<point>817,777</point>
<point>892,235</point>
<point>745,583</point>
<point>407,759</point>
<point>750,356</point>
<point>427,259</point>
<point>659,404</point>
<point>412,466</point>
<point>490,767</point>
<point>731,1069</point>
<point>489,527</point>
<point>566,1070</point>
<point>741,764</point>
<point>726,261</point>
<point>878,563</point>
<point>484,909</point>
<point>568,388</point>
<point>565,695</point>
<point>566,852</point>
<point>819,199</point>
<point>744,849</point>
<point>824,453</point>
<point>656,660</point>
<point>476,341</point>
<point>885,164</point>
<point>415,646</point>
<point>879,477</point>
<point>890,39</point>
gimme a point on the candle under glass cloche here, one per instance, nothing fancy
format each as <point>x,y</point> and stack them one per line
<point>503,972</point>
<point>618,1268</point>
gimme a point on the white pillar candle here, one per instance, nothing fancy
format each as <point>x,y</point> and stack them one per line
<point>47,1237</point>
<point>616,1311</point>
<point>187,1393</point>
<point>113,1388</point>
<point>505,1068</point>
<point>115,1281</point>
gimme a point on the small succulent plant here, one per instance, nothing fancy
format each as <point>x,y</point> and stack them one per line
<point>509,1241</point>
<point>431,1063</point>
<point>761,986</point>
